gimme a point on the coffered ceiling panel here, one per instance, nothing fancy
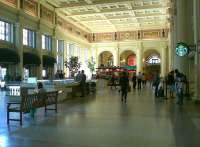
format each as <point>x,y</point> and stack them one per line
<point>113,15</point>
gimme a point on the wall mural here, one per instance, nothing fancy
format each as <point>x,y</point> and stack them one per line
<point>46,14</point>
<point>129,35</point>
<point>11,2</point>
<point>131,60</point>
<point>71,28</point>
<point>151,34</point>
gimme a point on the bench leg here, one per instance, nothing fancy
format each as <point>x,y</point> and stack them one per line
<point>20,118</point>
<point>56,107</point>
<point>45,108</point>
<point>8,117</point>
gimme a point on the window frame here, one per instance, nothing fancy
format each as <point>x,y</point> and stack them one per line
<point>60,54</point>
<point>47,42</point>
<point>31,38</point>
<point>8,31</point>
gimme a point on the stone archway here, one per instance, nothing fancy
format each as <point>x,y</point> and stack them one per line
<point>151,61</point>
<point>105,59</point>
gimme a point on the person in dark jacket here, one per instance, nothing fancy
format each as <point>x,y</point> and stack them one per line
<point>156,82</point>
<point>134,80</point>
<point>171,83</point>
<point>124,83</point>
<point>83,83</point>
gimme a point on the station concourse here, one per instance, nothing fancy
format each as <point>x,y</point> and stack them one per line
<point>59,61</point>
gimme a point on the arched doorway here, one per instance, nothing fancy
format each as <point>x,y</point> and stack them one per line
<point>106,59</point>
<point>128,59</point>
<point>152,62</point>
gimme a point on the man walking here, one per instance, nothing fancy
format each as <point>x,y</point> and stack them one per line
<point>124,83</point>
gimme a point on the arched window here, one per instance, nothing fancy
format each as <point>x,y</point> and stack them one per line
<point>153,59</point>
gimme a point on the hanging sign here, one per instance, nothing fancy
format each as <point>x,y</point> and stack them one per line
<point>182,49</point>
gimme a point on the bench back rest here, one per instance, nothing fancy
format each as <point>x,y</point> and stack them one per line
<point>37,100</point>
<point>28,102</point>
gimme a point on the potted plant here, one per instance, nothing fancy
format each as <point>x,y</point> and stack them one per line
<point>91,64</point>
<point>73,65</point>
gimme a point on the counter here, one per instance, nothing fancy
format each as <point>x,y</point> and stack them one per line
<point>67,88</point>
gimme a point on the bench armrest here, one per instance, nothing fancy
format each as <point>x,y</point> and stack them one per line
<point>13,103</point>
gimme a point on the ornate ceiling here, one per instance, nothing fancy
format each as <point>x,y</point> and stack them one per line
<point>114,15</point>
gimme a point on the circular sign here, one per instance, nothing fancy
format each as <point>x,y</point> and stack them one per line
<point>182,49</point>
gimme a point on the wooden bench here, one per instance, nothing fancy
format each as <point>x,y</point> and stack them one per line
<point>30,101</point>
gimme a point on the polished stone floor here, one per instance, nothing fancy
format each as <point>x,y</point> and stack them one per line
<point>101,120</point>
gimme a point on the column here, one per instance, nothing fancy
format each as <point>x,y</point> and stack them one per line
<point>170,51</point>
<point>54,52</point>
<point>115,58</point>
<point>196,21</point>
<point>39,48</point>
<point>163,61</point>
<point>97,56</point>
<point>139,57</point>
<point>180,29</point>
<point>18,40</point>
<point>66,57</point>
<point>118,54</point>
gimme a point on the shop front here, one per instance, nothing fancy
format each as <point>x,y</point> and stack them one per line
<point>8,61</point>
<point>31,63</point>
<point>48,66</point>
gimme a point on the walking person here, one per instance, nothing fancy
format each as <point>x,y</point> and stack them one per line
<point>134,80</point>
<point>113,82</point>
<point>156,82</point>
<point>83,83</point>
<point>143,80</point>
<point>124,83</point>
<point>171,83</point>
<point>139,81</point>
<point>78,77</point>
<point>179,86</point>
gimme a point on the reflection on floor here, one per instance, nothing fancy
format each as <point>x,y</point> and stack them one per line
<point>103,121</point>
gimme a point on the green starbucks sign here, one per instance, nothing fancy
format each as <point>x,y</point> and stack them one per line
<point>182,49</point>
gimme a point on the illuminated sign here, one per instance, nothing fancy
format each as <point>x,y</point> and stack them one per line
<point>182,49</point>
